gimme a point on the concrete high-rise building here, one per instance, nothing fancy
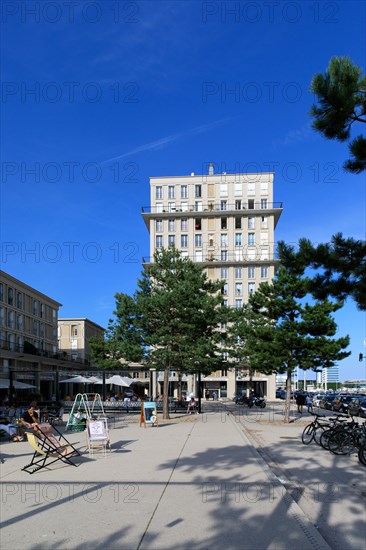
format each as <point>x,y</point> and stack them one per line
<point>226,223</point>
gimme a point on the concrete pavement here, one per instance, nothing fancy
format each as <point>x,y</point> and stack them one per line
<point>197,481</point>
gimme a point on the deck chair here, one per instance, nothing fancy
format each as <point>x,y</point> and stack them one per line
<point>49,448</point>
<point>97,436</point>
<point>56,418</point>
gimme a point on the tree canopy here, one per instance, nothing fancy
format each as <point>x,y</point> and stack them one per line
<point>341,95</point>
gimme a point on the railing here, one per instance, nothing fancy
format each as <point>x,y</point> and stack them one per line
<point>211,207</point>
<point>231,257</point>
<point>28,350</point>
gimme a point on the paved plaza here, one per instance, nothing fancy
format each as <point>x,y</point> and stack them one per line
<point>230,477</point>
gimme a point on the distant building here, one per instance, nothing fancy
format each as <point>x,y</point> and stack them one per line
<point>74,335</point>
<point>224,222</point>
<point>330,375</point>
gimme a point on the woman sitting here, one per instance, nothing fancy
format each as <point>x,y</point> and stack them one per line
<point>10,429</point>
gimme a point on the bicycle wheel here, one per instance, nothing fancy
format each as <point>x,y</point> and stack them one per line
<point>341,443</point>
<point>362,455</point>
<point>308,434</point>
<point>324,438</point>
<point>318,433</point>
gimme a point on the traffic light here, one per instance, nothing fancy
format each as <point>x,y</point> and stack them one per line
<point>360,357</point>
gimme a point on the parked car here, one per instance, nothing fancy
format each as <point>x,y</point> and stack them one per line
<point>357,407</point>
<point>340,403</point>
<point>281,394</point>
<point>327,401</point>
<point>317,398</point>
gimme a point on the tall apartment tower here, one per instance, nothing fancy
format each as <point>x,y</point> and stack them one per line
<point>226,223</point>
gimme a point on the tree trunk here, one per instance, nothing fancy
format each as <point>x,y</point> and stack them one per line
<point>180,398</point>
<point>166,394</point>
<point>288,397</point>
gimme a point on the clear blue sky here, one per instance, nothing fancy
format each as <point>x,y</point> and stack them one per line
<point>99,96</point>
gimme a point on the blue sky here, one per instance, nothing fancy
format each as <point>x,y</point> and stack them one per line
<point>99,96</point>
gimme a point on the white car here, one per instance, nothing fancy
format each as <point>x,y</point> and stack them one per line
<point>316,399</point>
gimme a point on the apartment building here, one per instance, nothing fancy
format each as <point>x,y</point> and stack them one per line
<point>74,335</point>
<point>225,222</point>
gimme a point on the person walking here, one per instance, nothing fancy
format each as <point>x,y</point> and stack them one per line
<point>300,401</point>
<point>309,404</point>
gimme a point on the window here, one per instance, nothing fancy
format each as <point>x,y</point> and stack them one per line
<point>251,272</point>
<point>223,239</point>
<point>264,238</point>
<point>159,192</point>
<point>184,254</point>
<point>251,204</point>
<point>251,222</point>
<point>238,254</point>
<point>11,319</point>
<point>159,225</point>
<point>41,330</point>
<point>184,206</point>
<point>171,240</point>
<point>251,239</point>
<point>35,307</point>
<point>224,273</point>
<point>238,289</point>
<point>223,190</point>
<point>2,316</point>
<point>171,206</point>
<point>159,241</point>
<point>20,319</point>
<point>159,207</point>
<point>12,342</point>
<point>238,303</point>
<point>20,300</point>
<point>210,239</point>
<point>171,192</point>
<point>238,273</point>
<point>184,241</point>
<point>198,255</point>
<point>43,311</point>
<point>224,289</point>
<point>223,326</point>
<point>238,205</point>
<point>74,331</point>
<point>264,254</point>
<point>184,191</point>
<point>237,222</point>
<point>1,292</point>
<point>198,206</point>
<point>251,288</point>
<point>198,191</point>
<point>264,272</point>
<point>198,240</point>
<point>238,189</point>
<point>54,315</point>
<point>251,254</point>
<point>10,296</point>
<point>225,303</point>
<point>171,225</point>
<point>238,239</point>
<point>223,223</point>
<point>223,205</point>
<point>224,255</point>
<point>264,204</point>
<point>198,224</point>
<point>35,328</point>
<point>251,188</point>
<point>264,222</point>
<point>264,188</point>
<point>184,224</point>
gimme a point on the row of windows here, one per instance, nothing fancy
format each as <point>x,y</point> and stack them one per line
<point>240,271</point>
<point>183,223</point>
<point>16,299</point>
<point>16,343</point>
<point>222,205</point>
<point>12,320</point>
<point>239,255</point>
<point>182,190</point>
<point>198,242</point>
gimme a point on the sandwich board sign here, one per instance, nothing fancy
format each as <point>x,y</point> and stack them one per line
<point>148,414</point>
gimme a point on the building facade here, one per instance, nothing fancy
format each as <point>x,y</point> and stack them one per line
<point>74,335</point>
<point>226,223</point>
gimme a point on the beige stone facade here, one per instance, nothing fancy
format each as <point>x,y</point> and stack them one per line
<point>225,222</point>
<point>74,335</point>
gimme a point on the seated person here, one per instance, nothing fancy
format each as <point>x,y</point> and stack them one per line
<point>191,405</point>
<point>10,429</point>
<point>29,419</point>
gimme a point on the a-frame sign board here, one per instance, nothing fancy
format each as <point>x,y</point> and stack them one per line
<point>149,414</point>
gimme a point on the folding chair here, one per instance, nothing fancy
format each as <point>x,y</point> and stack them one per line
<point>49,448</point>
<point>97,436</point>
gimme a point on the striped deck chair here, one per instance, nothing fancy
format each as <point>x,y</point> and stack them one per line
<point>49,448</point>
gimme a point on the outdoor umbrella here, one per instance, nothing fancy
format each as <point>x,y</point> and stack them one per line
<point>76,380</point>
<point>5,383</point>
<point>118,380</point>
<point>95,380</point>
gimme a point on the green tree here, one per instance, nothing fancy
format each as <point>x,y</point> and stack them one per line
<point>342,264</point>
<point>341,94</point>
<point>279,331</point>
<point>171,320</point>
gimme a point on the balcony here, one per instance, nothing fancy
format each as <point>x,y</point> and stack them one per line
<point>213,259</point>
